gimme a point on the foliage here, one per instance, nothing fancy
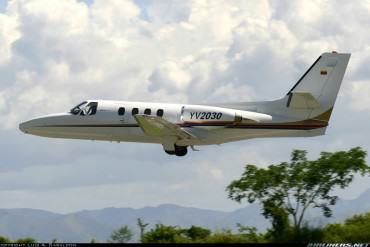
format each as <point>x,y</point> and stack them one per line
<point>250,235</point>
<point>245,235</point>
<point>5,240</point>
<point>94,240</point>
<point>289,189</point>
<point>195,232</point>
<point>174,234</point>
<point>164,234</point>
<point>224,236</point>
<point>121,235</point>
<point>290,235</point>
<point>27,240</point>
<point>354,229</point>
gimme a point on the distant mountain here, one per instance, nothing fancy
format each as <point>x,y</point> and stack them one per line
<point>82,226</point>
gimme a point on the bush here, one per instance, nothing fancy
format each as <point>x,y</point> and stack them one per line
<point>26,240</point>
<point>354,229</point>
<point>4,240</point>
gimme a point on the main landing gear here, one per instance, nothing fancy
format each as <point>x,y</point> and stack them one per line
<point>179,151</point>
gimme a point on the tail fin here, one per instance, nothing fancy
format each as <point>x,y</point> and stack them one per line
<point>317,89</point>
<point>312,97</point>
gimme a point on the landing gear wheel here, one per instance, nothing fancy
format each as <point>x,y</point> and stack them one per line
<point>170,152</point>
<point>181,150</point>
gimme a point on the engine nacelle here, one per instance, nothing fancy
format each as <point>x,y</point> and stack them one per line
<point>210,114</point>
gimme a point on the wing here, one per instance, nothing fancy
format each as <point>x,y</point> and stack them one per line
<point>157,126</point>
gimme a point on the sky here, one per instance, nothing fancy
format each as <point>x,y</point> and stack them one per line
<point>55,54</point>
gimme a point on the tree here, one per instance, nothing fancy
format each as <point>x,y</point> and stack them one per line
<point>142,227</point>
<point>164,234</point>
<point>196,233</point>
<point>121,235</point>
<point>289,189</point>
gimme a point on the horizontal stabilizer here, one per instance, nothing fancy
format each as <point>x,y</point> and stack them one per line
<point>302,100</point>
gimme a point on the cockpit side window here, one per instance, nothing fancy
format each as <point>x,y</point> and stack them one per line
<point>91,108</point>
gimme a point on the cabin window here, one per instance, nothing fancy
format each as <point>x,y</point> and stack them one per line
<point>135,111</point>
<point>147,111</point>
<point>121,111</point>
<point>160,112</point>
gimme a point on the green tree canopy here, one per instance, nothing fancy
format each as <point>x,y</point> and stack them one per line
<point>290,188</point>
<point>163,234</point>
<point>121,235</point>
<point>196,233</point>
<point>174,234</point>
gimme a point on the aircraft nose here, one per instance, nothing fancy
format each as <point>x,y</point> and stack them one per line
<point>38,126</point>
<point>25,126</point>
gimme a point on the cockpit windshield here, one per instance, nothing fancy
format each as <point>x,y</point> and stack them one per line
<point>75,110</point>
<point>85,108</point>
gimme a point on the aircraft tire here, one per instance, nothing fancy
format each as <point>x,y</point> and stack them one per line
<point>170,152</point>
<point>181,150</point>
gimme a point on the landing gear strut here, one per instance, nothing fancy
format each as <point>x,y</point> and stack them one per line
<point>179,151</point>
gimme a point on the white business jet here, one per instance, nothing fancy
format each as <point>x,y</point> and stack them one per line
<point>304,111</point>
